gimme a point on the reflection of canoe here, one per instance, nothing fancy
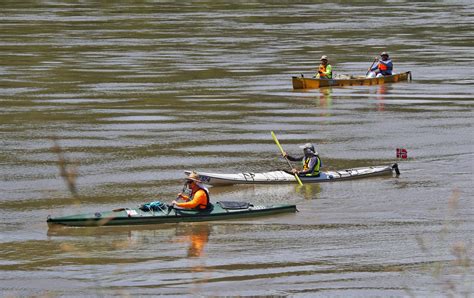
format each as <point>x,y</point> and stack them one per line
<point>311,83</point>
<point>278,177</point>
<point>136,216</point>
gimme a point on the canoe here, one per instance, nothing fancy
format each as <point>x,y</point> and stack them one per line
<point>282,177</point>
<point>138,216</point>
<point>312,83</point>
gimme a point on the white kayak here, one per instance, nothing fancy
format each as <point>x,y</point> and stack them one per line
<point>281,177</point>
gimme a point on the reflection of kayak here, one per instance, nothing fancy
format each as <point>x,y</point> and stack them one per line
<point>280,177</point>
<point>166,214</point>
<point>312,83</point>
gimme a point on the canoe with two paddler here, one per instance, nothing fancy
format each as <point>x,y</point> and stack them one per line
<point>283,177</point>
<point>343,80</point>
<point>162,214</point>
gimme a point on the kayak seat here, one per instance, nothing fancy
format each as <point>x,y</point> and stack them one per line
<point>234,205</point>
<point>192,211</point>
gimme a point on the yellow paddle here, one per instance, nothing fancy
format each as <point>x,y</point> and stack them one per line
<point>283,153</point>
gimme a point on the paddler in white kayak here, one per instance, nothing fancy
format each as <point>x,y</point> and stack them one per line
<point>199,196</point>
<point>311,161</point>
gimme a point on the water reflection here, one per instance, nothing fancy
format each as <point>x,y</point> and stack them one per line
<point>196,236</point>
<point>309,191</point>
<point>324,100</point>
<point>381,91</point>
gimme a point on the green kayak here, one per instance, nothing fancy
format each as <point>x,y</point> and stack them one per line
<point>160,213</point>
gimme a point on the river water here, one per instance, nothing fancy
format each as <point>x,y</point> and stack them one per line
<point>136,92</point>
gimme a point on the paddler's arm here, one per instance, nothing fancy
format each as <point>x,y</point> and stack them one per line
<point>198,199</point>
<point>183,196</point>
<point>180,196</point>
<point>319,72</point>
<point>376,65</point>
<point>291,158</point>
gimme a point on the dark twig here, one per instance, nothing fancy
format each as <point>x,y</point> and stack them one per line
<point>67,169</point>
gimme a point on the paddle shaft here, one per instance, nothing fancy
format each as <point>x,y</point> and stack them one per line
<point>283,153</point>
<point>182,192</point>
<point>371,66</point>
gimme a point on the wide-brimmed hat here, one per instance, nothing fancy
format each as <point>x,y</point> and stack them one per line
<point>384,54</point>
<point>193,177</point>
<point>324,57</point>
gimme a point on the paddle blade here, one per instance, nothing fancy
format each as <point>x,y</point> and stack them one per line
<point>277,142</point>
<point>298,179</point>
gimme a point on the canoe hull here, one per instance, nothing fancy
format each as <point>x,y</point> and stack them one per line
<point>312,83</point>
<point>282,177</point>
<point>139,217</point>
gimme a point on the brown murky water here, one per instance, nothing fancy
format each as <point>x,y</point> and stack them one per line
<point>136,92</point>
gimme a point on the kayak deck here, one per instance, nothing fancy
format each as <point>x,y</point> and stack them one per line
<point>282,177</point>
<point>313,83</point>
<point>137,216</point>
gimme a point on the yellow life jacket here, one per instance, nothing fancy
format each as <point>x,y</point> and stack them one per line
<point>325,72</point>
<point>315,171</point>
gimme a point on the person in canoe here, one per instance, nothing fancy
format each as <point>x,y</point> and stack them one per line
<point>325,69</point>
<point>384,67</point>
<point>310,159</point>
<point>199,197</point>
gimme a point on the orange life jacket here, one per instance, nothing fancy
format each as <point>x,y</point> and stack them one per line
<point>199,200</point>
<point>322,69</point>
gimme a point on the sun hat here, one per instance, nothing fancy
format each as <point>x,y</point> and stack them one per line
<point>194,177</point>
<point>324,57</point>
<point>384,54</point>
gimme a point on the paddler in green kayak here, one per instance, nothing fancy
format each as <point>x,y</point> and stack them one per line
<point>310,159</point>
<point>199,194</point>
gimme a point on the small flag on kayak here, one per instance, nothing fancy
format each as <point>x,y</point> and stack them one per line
<point>402,153</point>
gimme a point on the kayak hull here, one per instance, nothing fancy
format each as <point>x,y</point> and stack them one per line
<point>136,216</point>
<point>282,177</point>
<point>313,83</point>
